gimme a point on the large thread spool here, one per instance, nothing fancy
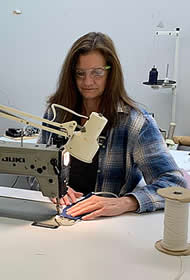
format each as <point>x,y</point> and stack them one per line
<point>174,241</point>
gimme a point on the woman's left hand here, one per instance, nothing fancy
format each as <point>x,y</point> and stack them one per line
<point>98,206</point>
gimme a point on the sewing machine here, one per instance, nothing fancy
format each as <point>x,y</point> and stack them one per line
<point>45,161</point>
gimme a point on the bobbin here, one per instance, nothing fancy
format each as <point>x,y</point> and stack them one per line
<point>181,195</point>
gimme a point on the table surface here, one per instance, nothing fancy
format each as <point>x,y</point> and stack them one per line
<point>182,159</point>
<point>107,248</point>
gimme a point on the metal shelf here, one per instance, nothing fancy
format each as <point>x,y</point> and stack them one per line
<point>171,84</point>
<point>161,84</point>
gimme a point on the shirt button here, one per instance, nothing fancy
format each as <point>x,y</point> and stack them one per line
<point>98,171</point>
<point>103,146</point>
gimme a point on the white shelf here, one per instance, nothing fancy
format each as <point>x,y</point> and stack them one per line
<point>172,84</point>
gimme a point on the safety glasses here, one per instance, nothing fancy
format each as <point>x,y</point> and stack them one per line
<point>94,73</point>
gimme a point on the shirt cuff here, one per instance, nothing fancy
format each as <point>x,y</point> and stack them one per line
<point>145,202</point>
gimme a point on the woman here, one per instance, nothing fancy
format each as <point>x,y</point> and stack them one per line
<point>91,80</point>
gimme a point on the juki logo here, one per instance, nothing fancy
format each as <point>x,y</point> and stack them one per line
<point>13,159</point>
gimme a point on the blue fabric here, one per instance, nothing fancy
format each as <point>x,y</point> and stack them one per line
<point>134,148</point>
<point>64,212</point>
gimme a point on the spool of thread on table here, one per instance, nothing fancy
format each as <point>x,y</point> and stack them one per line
<point>175,226</point>
<point>175,222</point>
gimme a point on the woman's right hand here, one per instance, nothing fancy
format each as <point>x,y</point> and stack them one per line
<point>69,198</point>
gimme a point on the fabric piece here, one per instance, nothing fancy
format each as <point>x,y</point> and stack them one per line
<point>64,212</point>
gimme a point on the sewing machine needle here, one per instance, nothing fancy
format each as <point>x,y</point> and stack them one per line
<point>58,206</point>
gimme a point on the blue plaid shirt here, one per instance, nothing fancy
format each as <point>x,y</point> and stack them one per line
<point>133,149</point>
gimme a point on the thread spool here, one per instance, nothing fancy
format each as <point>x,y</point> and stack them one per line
<point>171,130</point>
<point>153,76</point>
<point>174,241</point>
<point>166,80</point>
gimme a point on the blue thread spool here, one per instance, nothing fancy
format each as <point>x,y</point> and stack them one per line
<point>153,76</point>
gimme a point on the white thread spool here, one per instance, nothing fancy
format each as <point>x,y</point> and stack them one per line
<point>175,222</point>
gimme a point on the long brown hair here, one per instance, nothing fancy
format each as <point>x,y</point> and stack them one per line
<point>67,93</point>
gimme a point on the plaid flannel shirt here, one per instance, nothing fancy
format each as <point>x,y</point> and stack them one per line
<point>133,149</point>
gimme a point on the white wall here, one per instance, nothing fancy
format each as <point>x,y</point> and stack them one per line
<point>33,46</point>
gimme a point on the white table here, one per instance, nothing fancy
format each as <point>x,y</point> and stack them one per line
<point>182,159</point>
<point>108,248</point>
<point>104,249</point>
